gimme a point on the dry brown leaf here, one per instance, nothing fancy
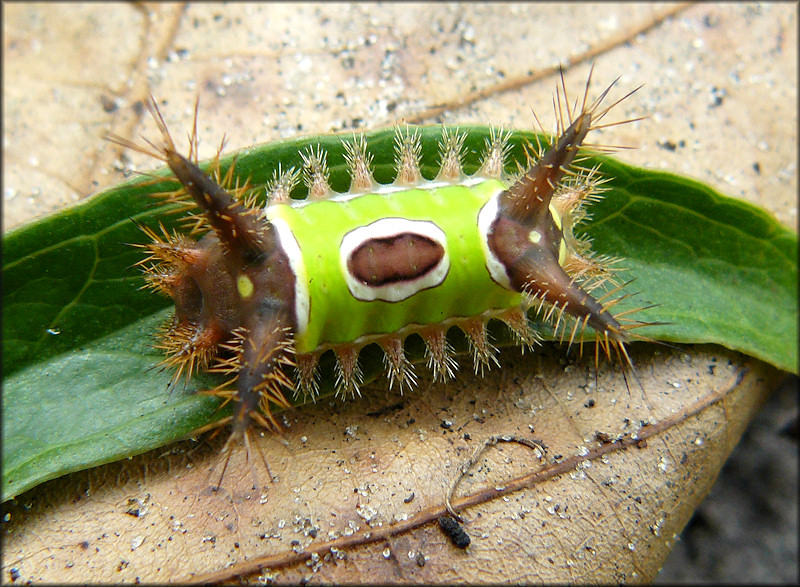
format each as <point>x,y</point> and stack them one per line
<point>339,468</point>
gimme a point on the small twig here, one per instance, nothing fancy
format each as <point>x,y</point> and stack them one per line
<point>491,441</point>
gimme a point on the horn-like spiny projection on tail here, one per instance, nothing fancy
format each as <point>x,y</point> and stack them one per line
<point>269,288</point>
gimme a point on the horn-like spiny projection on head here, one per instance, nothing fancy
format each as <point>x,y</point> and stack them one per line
<point>268,289</point>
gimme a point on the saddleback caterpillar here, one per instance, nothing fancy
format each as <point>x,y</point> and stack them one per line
<point>267,289</point>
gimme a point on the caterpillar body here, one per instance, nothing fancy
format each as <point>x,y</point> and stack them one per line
<point>268,289</point>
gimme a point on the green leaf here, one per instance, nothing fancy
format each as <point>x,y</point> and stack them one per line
<point>80,386</point>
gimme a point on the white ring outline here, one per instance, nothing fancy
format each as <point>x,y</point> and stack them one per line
<point>387,228</point>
